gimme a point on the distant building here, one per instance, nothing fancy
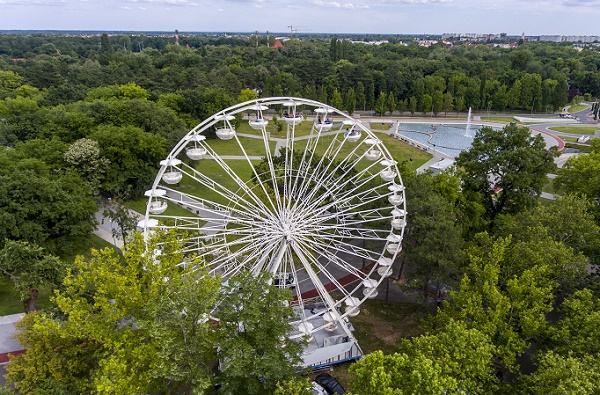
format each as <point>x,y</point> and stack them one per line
<point>277,44</point>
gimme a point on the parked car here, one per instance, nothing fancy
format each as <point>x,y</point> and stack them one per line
<point>330,384</point>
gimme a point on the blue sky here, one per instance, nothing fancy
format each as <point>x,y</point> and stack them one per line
<point>534,17</point>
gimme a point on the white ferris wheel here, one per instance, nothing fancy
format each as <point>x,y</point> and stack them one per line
<point>318,202</point>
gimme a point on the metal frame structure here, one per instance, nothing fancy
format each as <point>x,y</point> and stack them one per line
<point>326,218</point>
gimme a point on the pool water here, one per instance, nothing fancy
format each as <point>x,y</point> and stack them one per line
<point>449,139</point>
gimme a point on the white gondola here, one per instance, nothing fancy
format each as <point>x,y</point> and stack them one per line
<point>258,123</point>
<point>393,248</point>
<point>353,136</point>
<point>384,261</point>
<point>372,154</point>
<point>396,200</point>
<point>156,204</point>
<point>294,120</point>
<point>398,223</point>
<point>352,304</point>
<point>226,132</point>
<point>322,123</point>
<point>385,271</point>
<point>387,174</point>
<point>195,151</point>
<point>172,175</point>
<point>331,322</point>
<point>370,290</point>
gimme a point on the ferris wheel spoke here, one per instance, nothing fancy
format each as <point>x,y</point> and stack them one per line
<point>345,248</point>
<point>272,171</point>
<point>324,250</point>
<point>251,165</point>
<point>243,186</point>
<point>308,262</point>
<point>332,185</point>
<point>240,204</point>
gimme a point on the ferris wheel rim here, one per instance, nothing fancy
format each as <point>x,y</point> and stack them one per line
<point>306,244</point>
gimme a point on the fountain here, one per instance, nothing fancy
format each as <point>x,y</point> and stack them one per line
<point>468,128</point>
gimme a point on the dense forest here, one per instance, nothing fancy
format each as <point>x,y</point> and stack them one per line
<point>83,116</point>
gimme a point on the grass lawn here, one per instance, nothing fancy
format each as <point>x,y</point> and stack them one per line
<point>569,139</point>
<point>499,119</point>
<point>587,130</point>
<point>578,107</point>
<point>253,147</point>
<point>9,297</point>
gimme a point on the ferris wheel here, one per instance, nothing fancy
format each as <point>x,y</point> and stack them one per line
<point>311,196</point>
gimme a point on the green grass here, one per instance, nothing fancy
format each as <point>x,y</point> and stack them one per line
<point>578,107</point>
<point>139,205</point>
<point>253,147</point>
<point>569,139</point>
<point>499,119</point>
<point>587,130</point>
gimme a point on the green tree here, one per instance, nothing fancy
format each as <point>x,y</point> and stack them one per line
<point>336,99</point>
<point>350,105</point>
<point>30,268</point>
<point>447,103</point>
<point>84,157</point>
<point>247,94</point>
<point>562,375</point>
<point>580,176</point>
<point>426,103</point>
<point>134,324</point>
<point>125,221</point>
<point>380,105</point>
<point>254,350</point>
<point>412,105</point>
<point>508,167</point>
<point>438,102</point>
<point>360,96</point>
<point>456,360</point>
<point>391,103</point>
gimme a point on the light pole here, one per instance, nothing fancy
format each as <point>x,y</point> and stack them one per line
<point>533,104</point>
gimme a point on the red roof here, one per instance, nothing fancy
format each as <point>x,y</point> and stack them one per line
<point>277,44</point>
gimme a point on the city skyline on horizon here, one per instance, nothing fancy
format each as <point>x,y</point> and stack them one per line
<point>409,17</point>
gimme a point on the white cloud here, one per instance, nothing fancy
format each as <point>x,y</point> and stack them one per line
<point>34,2</point>
<point>336,4</point>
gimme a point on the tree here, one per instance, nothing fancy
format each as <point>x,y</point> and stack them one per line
<point>426,103</point>
<point>562,375</point>
<point>433,241</point>
<point>247,94</point>
<point>134,324</point>
<point>380,105</point>
<point>391,103</point>
<point>29,269</point>
<point>580,176</point>
<point>508,167</point>
<point>360,96</point>
<point>84,157</point>
<point>448,101</point>
<point>253,348</point>
<point>510,310</point>
<point>350,105</point>
<point>438,102</point>
<point>456,360</point>
<point>336,99</point>
<point>54,211</point>
<point>412,105</point>
<point>122,217</point>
